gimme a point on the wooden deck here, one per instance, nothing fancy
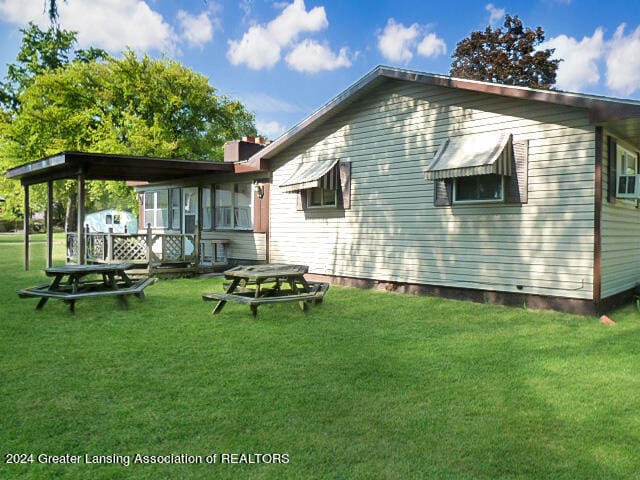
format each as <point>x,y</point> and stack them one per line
<point>153,253</point>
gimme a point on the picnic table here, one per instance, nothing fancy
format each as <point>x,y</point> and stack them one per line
<point>256,285</point>
<point>73,282</point>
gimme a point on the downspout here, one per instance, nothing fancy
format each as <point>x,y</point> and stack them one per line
<point>597,220</point>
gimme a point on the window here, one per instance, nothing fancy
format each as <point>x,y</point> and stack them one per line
<point>242,206</point>
<point>319,197</point>
<point>233,206</point>
<point>224,205</point>
<point>479,188</point>
<point>174,195</point>
<point>627,169</point>
<point>207,211</point>
<point>156,208</point>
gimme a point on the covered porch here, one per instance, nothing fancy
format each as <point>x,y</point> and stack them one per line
<point>147,249</point>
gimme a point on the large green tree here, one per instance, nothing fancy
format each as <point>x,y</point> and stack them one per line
<point>130,105</point>
<point>510,56</point>
<point>40,52</point>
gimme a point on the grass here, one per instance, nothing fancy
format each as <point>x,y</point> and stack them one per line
<point>367,385</point>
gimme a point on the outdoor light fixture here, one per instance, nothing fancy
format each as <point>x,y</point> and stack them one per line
<point>259,189</point>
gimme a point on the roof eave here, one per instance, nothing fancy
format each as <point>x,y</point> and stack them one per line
<point>97,166</point>
<point>601,109</point>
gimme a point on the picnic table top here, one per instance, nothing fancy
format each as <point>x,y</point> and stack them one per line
<point>259,272</point>
<point>86,269</point>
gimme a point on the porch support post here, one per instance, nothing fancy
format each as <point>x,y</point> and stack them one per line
<point>49,222</point>
<point>80,227</point>
<point>27,209</point>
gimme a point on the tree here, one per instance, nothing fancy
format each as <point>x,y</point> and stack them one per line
<point>136,106</point>
<point>508,56</point>
<point>41,51</point>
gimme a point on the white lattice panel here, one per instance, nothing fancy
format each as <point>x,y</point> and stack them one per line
<point>130,248</point>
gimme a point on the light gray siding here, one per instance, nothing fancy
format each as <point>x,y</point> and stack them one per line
<point>620,234</point>
<point>393,231</point>
<point>242,245</point>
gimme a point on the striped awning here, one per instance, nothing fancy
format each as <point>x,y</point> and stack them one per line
<point>470,155</point>
<point>312,174</point>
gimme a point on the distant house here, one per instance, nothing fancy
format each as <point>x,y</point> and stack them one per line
<point>116,221</point>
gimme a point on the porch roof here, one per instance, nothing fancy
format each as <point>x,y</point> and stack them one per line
<point>100,166</point>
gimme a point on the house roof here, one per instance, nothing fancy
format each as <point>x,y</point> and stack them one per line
<point>98,166</point>
<point>620,116</point>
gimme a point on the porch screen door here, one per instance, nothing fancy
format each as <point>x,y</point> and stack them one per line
<point>190,209</point>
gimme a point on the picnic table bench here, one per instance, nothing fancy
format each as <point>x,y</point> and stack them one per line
<point>112,281</point>
<point>278,276</point>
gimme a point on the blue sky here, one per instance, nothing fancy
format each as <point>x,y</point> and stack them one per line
<point>285,59</point>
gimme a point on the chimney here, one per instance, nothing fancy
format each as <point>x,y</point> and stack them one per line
<point>238,150</point>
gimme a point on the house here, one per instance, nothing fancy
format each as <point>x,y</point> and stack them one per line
<point>426,183</point>
<point>420,183</point>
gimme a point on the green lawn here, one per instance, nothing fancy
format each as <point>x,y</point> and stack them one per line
<point>367,385</point>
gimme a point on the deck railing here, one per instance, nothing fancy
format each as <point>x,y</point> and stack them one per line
<point>139,248</point>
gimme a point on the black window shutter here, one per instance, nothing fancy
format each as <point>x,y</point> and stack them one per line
<point>517,185</point>
<point>344,196</point>
<point>612,170</point>
<point>442,192</point>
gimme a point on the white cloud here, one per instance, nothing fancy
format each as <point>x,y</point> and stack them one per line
<point>623,61</point>
<point>396,41</point>
<point>432,46</point>
<point>246,6</point>
<point>580,60</point>
<point>108,24</point>
<point>294,20</point>
<point>310,56</point>
<point>21,12</point>
<point>261,45</point>
<point>196,30</point>
<point>272,129</point>
<point>116,24</point>
<point>256,49</point>
<point>496,15</point>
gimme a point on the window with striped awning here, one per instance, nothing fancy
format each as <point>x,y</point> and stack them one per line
<point>471,155</point>
<point>319,173</point>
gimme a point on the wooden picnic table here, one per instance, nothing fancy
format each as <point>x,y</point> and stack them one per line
<point>286,283</point>
<point>73,282</point>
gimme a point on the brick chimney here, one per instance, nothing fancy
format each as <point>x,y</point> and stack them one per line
<point>238,150</point>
